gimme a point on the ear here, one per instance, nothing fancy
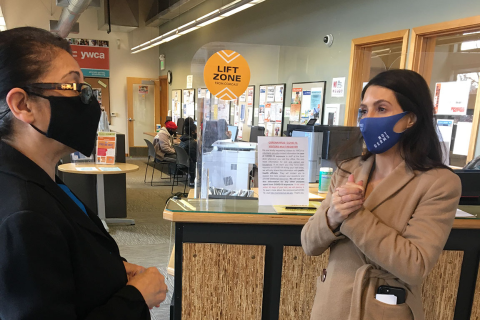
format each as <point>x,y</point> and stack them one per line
<point>411,119</point>
<point>17,101</point>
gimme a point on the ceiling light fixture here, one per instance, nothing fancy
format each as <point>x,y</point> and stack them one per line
<point>214,16</point>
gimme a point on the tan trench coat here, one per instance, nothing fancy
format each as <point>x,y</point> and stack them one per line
<point>395,239</point>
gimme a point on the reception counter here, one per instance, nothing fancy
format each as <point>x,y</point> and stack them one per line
<point>236,260</point>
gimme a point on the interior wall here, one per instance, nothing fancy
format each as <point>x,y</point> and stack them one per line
<point>123,64</point>
<point>297,28</point>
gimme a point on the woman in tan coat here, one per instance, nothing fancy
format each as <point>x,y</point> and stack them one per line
<point>388,213</point>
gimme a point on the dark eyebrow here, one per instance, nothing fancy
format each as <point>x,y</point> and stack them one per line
<point>71,72</point>
<point>376,103</point>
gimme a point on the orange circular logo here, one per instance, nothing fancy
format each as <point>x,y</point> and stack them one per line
<point>227,75</point>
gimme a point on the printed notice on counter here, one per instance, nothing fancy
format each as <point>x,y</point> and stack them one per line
<point>283,171</point>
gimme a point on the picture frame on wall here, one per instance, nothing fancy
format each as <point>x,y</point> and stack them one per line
<point>307,101</point>
<point>271,108</point>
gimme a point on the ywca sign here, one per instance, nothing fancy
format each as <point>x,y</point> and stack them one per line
<point>92,57</point>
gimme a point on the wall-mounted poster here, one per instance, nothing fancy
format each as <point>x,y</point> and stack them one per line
<point>243,110</point>
<point>451,98</point>
<point>308,99</point>
<point>338,87</point>
<point>189,103</point>
<point>92,56</point>
<point>204,94</point>
<point>271,108</point>
<point>176,104</point>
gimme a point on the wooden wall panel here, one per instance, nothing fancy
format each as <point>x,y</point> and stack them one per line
<point>476,300</point>
<point>222,281</point>
<point>299,282</point>
<point>439,290</point>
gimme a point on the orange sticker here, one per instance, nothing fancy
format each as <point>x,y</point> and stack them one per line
<point>227,75</point>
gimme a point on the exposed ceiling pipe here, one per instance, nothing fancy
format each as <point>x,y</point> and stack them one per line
<point>69,16</point>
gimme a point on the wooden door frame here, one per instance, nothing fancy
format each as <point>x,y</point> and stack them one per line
<point>130,82</point>
<point>359,56</point>
<point>421,53</point>
<point>164,89</point>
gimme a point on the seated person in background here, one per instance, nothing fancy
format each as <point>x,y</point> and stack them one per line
<point>223,132</point>
<point>189,144</point>
<point>163,142</point>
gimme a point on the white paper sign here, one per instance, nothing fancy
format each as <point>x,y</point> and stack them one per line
<point>445,129</point>
<point>189,81</point>
<point>331,110</point>
<point>283,171</point>
<point>462,138</point>
<point>451,98</point>
<point>278,93</point>
<point>270,94</point>
<point>338,87</point>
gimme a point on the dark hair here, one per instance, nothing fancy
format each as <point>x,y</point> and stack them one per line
<point>25,56</point>
<point>419,145</point>
<point>189,126</point>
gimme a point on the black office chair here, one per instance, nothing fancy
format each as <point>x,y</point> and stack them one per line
<point>151,154</point>
<point>181,166</point>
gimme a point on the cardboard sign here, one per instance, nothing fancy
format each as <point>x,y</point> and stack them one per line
<point>227,75</point>
<point>92,57</point>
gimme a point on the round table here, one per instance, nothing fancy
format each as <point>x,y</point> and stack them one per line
<point>100,170</point>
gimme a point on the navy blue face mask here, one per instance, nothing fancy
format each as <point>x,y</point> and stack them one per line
<point>378,132</point>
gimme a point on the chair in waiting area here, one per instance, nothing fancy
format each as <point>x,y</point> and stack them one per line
<point>151,154</point>
<point>181,166</point>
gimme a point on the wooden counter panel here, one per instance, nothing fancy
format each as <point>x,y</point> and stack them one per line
<point>476,300</point>
<point>439,290</point>
<point>299,282</point>
<point>222,281</point>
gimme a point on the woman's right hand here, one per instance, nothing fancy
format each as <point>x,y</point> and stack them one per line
<point>345,200</point>
<point>151,285</point>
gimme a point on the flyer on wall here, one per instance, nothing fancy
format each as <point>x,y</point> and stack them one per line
<point>223,110</point>
<point>278,112</point>
<point>278,93</point>
<point>261,118</point>
<point>273,112</point>
<point>263,94</point>
<point>267,112</point>
<point>306,99</point>
<point>249,116</point>
<point>271,94</point>
<point>338,87</point>
<point>242,112</point>
<point>316,103</point>
<point>331,114</point>
<point>250,95</point>
<point>296,96</point>
<point>276,130</point>
<point>269,130</point>
<point>242,98</point>
<point>295,112</point>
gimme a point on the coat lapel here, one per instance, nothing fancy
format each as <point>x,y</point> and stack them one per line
<point>362,172</point>
<point>395,181</point>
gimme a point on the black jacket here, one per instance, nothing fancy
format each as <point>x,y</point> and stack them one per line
<point>55,262</point>
<point>189,144</point>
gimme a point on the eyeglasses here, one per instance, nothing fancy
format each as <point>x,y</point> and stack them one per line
<point>84,89</point>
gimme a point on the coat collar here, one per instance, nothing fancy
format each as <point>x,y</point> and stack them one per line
<point>15,163</point>
<point>395,181</point>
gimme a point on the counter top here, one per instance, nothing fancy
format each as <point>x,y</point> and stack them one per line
<point>265,216</point>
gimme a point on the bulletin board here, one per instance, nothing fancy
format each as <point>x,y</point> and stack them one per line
<point>101,87</point>
<point>271,108</point>
<point>176,106</point>
<point>307,101</point>
<point>188,103</point>
<point>204,93</point>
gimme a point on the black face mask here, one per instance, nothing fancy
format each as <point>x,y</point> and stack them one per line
<point>73,122</point>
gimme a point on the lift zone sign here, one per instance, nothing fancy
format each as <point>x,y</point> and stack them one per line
<point>92,57</point>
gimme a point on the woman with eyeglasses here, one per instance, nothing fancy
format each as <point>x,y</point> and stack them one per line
<point>388,212</point>
<point>56,259</point>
